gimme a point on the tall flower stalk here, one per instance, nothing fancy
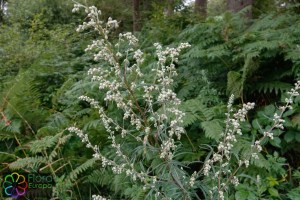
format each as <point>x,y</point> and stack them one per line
<point>223,169</point>
<point>150,114</point>
<point>152,119</point>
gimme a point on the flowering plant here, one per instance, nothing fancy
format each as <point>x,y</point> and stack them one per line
<point>223,167</point>
<point>150,115</point>
<point>151,121</point>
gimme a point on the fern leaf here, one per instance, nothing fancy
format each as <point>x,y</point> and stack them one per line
<point>100,177</point>
<point>213,129</point>
<point>273,86</point>
<point>61,141</point>
<point>58,120</point>
<point>46,131</point>
<point>83,167</point>
<point>234,83</point>
<point>30,162</point>
<point>45,143</point>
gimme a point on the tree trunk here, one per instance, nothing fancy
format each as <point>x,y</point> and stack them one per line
<point>136,16</point>
<point>2,5</point>
<point>170,8</point>
<point>201,7</point>
<point>237,5</point>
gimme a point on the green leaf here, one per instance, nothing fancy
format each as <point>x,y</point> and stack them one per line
<point>272,181</point>
<point>297,174</point>
<point>273,192</point>
<point>294,194</point>
<point>246,127</point>
<point>234,84</point>
<point>242,195</point>
<point>276,142</point>
<point>262,162</point>
<point>256,125</point>
<point>213,128</point>
<point>252,196</point>
<point>7,157</point>
<point>297,137</point>
<point>295,120</point>
<point>289,136</point>
<point>288,113</point>
<point>269,110</point>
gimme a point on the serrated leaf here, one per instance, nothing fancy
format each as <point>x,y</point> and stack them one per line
<point>297,174</point>
<point>213,129</point>
<point>262,162</point>
<point>269,110</point>
<point>294,194</point>
<point>234,85</point>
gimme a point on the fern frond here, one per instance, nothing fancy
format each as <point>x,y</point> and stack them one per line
<point>6,136</point>
<point>61,141</point>
<point>195,110</point>
<point>30,162</point>
<point>272,86</point>
<point>14,127</point>
<point>83,167</point>
<point>213,129</point>
<point>234,83</point>
<point>41,145</point>
<point>47,131</point>
<point>92,124</point>
<point>100,177</point>
<point>58,119</point>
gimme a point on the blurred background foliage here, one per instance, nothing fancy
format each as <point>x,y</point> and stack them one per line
<point>254,56</point>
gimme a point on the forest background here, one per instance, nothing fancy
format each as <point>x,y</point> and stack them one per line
<point>247,48</point>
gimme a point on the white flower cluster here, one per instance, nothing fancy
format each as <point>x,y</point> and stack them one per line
<point>232,128</point>
<point>76,8</point>
<point>116,168</point>
<point>129,37</point>
<point>166,72</point>
<point>98,197</point>
<point>257,146</point>
<point>93,14</point>
<point>192,179</point>
<point>166,149</point>
<point>293,93</point>
<point>173,53</point>
<point>112,24</point>
<point>138,56</point>
<point>84,138</point>
<point>220,159</point>
<point>268,134</point>
<point>235,181</point>
<point>121,80</point>
<point>221,195</point>
<point>277,120</point>
<point>104,48</point>
<point>92,101</point>
<point>168,95</point>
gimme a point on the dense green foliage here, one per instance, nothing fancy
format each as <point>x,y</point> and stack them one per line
<point>42,74</point>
